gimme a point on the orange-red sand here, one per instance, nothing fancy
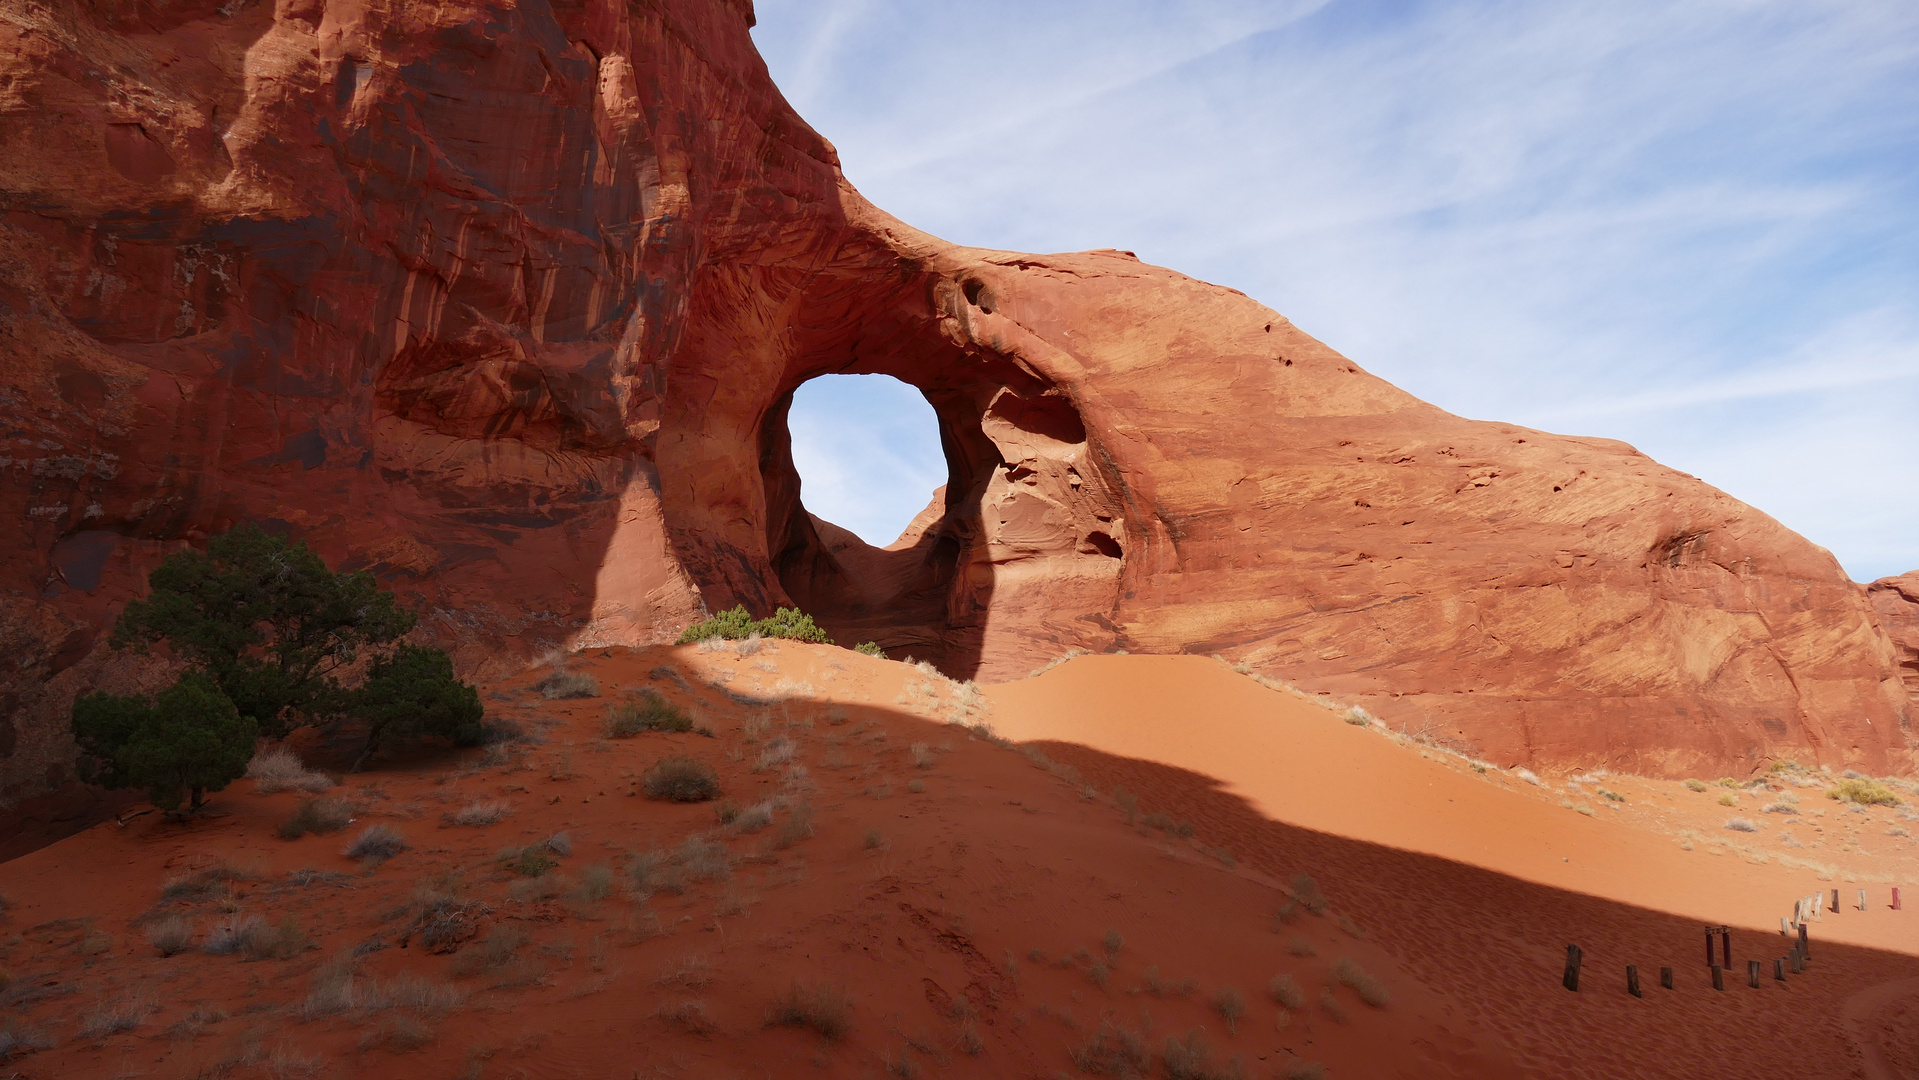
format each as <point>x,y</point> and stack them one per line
<point>967,921</point>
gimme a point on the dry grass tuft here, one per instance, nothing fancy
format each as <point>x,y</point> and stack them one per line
<point>493,952</point>
<point>172,934</point>
<point>688,1015</point>
<point>317,816</point>
<point>280,769</point>
<point>796,826</point>
<point>17,1038</point>
<point>1369,989</point>
<point>1300,946</point>
<point>480,812</point>
<point>377,844</point>
<point>1285,991</point>
<point>824,1008</point>
<point>648,710</point>
<point>691,973</point>
<point>1230,1004</point>
<point>116,1016</point>
<point>1112,1051</point>
<point>1191,1059</point>
<point>568,684</point>
<point>397,1034</point>
<point>204,883</point>
<point>1306,891</point>
<point>681,779</point>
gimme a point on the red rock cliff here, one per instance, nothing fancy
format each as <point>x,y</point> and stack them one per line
<point>506,301</point>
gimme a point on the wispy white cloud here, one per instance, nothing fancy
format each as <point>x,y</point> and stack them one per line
<point>1692,226</point>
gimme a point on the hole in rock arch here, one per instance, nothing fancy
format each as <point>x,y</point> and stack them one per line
<point>867,450</point>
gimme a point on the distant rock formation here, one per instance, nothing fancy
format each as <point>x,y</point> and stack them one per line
<point>507,302</point>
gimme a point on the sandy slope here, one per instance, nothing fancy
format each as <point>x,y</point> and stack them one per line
<point>996,883</point>
<point>969,915</point>
<point>1477,882</point>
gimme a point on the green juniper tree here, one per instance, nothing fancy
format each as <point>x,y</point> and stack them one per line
<point>188,741</point>
<point>267,632</point>
<point>267,620</point>
<point>413,693</point>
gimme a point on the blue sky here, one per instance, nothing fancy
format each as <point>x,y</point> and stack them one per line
<point>1693,227</point>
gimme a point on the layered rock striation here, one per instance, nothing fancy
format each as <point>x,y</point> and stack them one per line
<point>507,302</point>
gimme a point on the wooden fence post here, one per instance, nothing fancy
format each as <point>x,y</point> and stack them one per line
<point>1835,901</point>
<point>1798,962</point>
<point>1725,940</point>
<point>1805,945</point>
<point>1862,899</point>
<point>1895,898</point>
<point>1752,974</point>
<point>1779,971</point>
<point>1573,957</point>
<point>1718,977</point>
<point>1665,977</point>
<point>1632,981</point>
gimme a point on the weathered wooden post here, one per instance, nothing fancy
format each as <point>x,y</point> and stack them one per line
<point>1895,898</point>
<point>1725,940</point>
<point>1752,974</point>
<point>1632,981</point>
<point>1835,901</point>
<point>1798,961</point>
<point>1779,970</point>
<point>1718,977</point>
<point>1573,957</point>
<point>1665,977</point>
<point>1862,899</point>
<point>1805,945</point>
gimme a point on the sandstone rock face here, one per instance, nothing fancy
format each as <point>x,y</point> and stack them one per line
<point>507,302</point>
<point>1895,600</point>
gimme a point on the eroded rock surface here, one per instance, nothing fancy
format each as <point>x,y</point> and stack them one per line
<point>507,303</point>
<point>1895,600</point>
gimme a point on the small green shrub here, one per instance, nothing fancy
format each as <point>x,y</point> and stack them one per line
<point>530,861</point>
<point>1864,792</point>
<point>737,624</point>
<point>1729,799</point>
<point>870,648</point>
<point>1696,785</point>
<point>681,779</point>
<point>649,711</point>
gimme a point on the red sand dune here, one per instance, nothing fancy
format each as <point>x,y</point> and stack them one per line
<point>1444,883</point>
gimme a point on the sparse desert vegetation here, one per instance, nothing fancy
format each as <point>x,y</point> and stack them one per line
<point>820,1007</point>
<point>682,779</point>
<point>648,710</point>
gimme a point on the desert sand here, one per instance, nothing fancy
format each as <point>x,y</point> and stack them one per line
<point>960,889</point>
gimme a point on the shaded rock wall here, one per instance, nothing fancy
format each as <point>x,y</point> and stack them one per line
<point>507,302</point>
